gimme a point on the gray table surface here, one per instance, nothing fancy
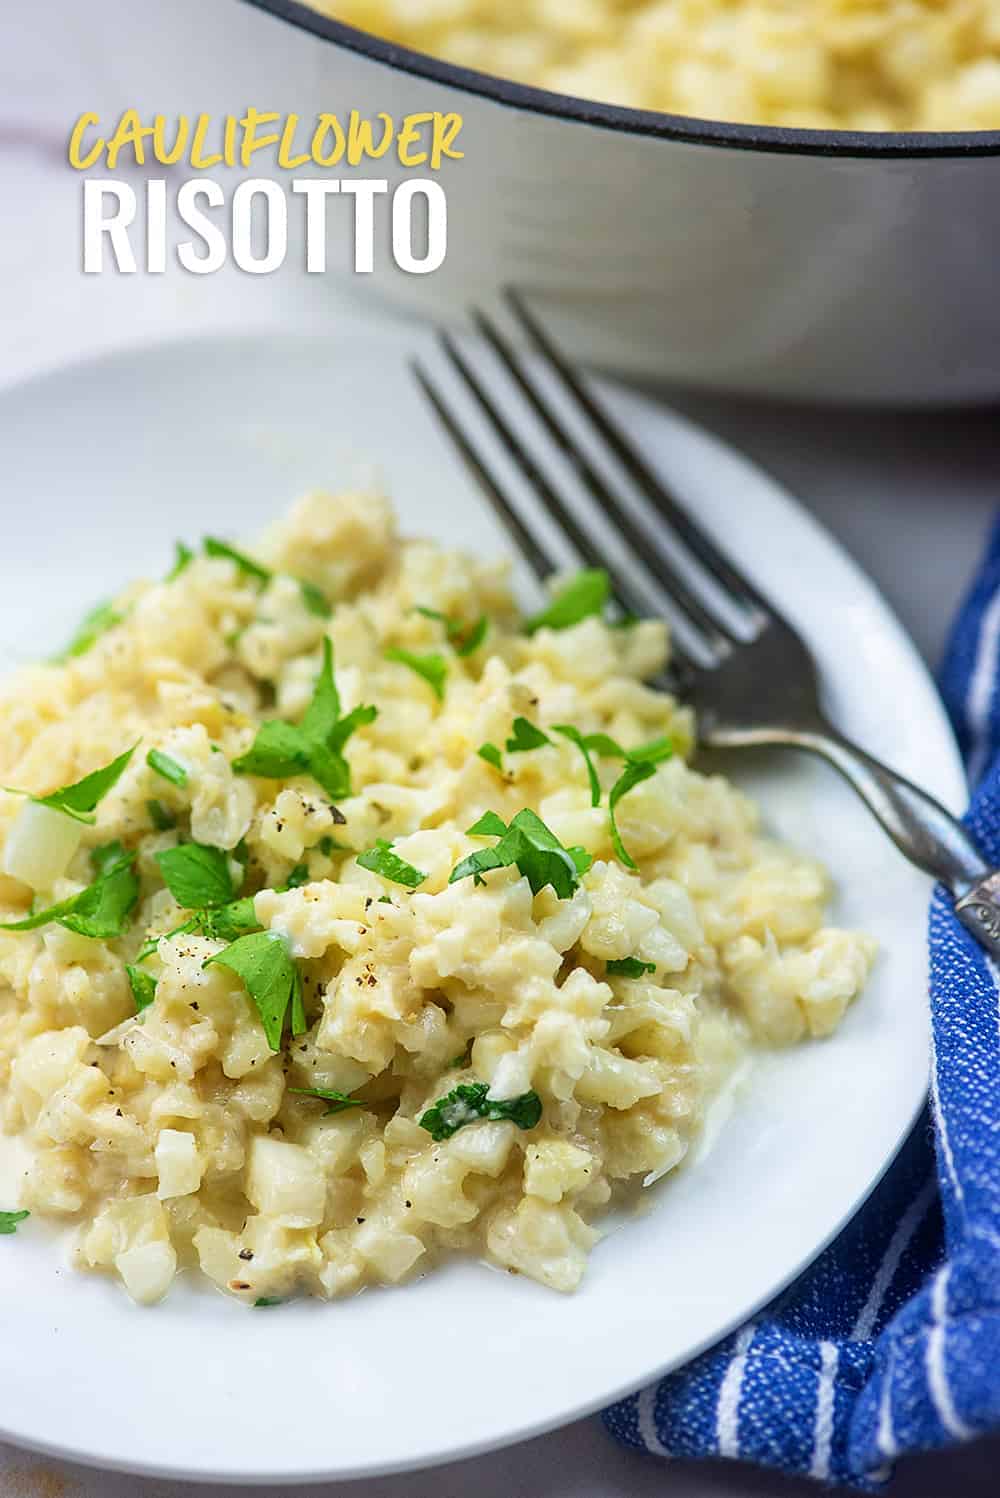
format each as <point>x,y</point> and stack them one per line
<point>911,496</point>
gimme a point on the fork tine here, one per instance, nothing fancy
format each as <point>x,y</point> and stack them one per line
<point>643,539</point>
<point>682,671</point>
<point>527,544</point>
<point>719,566</point>
<point>631,599</point>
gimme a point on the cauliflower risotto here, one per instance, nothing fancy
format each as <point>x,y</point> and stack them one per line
<point>351,918</point>
<point>813,64</point>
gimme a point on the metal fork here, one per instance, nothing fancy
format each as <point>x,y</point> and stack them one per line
<point>747,673</point>
<point>754,683</point>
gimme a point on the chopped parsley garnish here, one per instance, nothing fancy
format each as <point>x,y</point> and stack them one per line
<point>465,638</point>
<point>633,774</point>
<point>265,1302</point>
<point>314,746</point>
<point>532,847</point>
<point>224,552</point>
<point>639,765</point>
<point>10,1220</point>
<point>576,737</point>
<point>80,799</point>
<point>653,752</point>
<point>526,736</point>
<point>382,860</point>
<point>338,1100</point>
<point>432,667</point>
<point>183,557</point>
<point>90,629</point>
<point>628,967</point>
<point>489,825</point>
<point>143,987</point>
<point>198,877</point>
<point>264,966</point>
<point>278,751</point>
<point>468,1102</point>
<point>491,754</point>
<point>298,876</point>
<point>470,642</point>
<point>315,599</point>
<point>583,595</point>
<point>167,767</point>
<point>229,922</point>
<point>100,910</point>
<point>161,818</point>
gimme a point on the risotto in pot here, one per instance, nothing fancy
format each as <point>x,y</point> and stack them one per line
<point>813,64</point>
<point>351,918</point>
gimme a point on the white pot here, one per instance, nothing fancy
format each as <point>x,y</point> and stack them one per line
<point>793,263</point>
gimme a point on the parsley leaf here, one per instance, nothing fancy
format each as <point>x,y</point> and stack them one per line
<point>576,737</point>
<point>338,1100</point>
<point>197,876</point>
<point>98,621</point>
<point>633,774</point>
<point>526,736</point>
<point>470,642</point>
<point>80,799</point>
<point>298,876</point>
<point>653,752</point>
<point>143,987</point>
<point>465,639</point>
<point>223,551</point>
<point>263,964</point>
<point>229,922</point>
<point>491,754</point>
<point>277,752</point>
<point>161,818</point>
<point>284,749</point>
<point>585,594</point>
<point>468,1102</point>
<point>320,718</point>
<point>100,910</point>
<point>604,744</point>
<point>167,767</point>
<point>432,667</point>
<point>537,852</point>
<point>489,825</point>
<point>315,599</point>
<point>382,860</point>
<point>183,557</point>
<point>9,1221</point>
<point>628,967</point>
<point>265,1302</point>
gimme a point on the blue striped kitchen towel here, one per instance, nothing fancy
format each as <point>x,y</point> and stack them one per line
<point>890,1343</point>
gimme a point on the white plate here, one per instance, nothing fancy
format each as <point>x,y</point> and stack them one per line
<point>104,465</point>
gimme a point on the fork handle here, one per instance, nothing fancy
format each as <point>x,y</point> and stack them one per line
<point>922,829</point>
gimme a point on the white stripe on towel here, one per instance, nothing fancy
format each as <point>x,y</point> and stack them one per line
<point>823,1437</point>
<point>727,1420</point>
<point>646,1416</point>
<point>982,684</point>
<point>898,1243</point>
<point>886,1436</point>
<point>937,1375</point>
<point>942,1128</point>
